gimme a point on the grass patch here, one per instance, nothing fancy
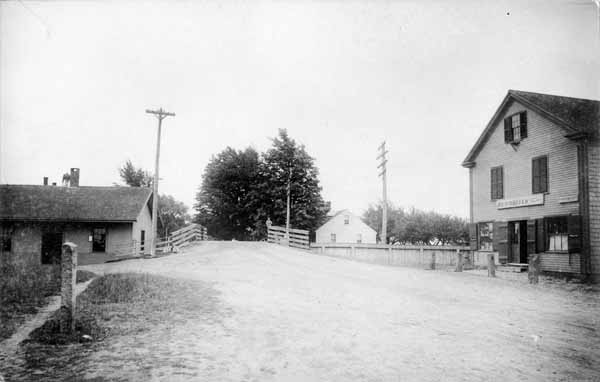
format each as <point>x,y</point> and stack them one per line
<point>83,276</point>
<point>23,289</point>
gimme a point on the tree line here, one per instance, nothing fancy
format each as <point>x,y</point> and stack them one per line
<point>414,226</point>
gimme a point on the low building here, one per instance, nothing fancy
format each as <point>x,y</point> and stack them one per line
<point>104,222</point>
<point>345,227</point>
<point>534,183</point>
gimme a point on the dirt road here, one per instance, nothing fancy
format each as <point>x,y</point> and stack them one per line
<point>287,315</point>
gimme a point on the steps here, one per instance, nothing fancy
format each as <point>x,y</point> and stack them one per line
<point>513,267</point>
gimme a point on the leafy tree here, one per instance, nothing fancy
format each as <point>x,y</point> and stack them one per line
<point>227,200</point>
<point>172,215</point>
<point>135,177</point>
<point>241,189</point>
<point>287,164</point>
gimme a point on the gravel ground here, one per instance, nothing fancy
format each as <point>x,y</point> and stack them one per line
<point>286,315</point>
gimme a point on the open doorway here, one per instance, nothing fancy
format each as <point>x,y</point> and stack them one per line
<point>51,247</point>
<point>518,242</point>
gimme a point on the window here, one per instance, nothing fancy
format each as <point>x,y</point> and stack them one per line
<point>557,233</point>
<point>359,238</point>
<point>5,240</point>
<point>142,240</point>
<point>497,186</point>
<point>346,219</point>
<point>539,174</point>
<point>486,236</point>
<point>333,237</point>
<point>515,127</point>
<point>99,240</point>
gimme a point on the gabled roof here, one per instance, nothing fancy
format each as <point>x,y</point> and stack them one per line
<point>347,212</point>
<point>54,203</point>
<point>578,117</point>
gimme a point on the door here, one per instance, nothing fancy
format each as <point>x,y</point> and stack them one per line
<point>518,241</point>
<point>51,247</point>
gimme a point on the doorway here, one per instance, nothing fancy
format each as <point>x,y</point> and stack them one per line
<point>51,247</point>
<point>518,241</point>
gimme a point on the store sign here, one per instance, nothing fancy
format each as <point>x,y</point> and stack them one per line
<point>531,200</point>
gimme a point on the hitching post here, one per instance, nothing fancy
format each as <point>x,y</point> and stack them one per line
<point>459,261</point>
<point>68,272</point>
<point>491,265</point>
<point>534,268</point>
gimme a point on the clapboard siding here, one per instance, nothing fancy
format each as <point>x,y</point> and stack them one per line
<point>560,262</point>
<point>544,138</point>
<point>594,206</point>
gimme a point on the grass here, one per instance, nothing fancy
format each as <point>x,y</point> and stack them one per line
<point>23,289</point>
<point>83,276</point>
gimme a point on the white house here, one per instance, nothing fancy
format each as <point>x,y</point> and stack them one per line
<point>345,227</point>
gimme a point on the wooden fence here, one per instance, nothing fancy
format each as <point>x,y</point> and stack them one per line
<point>298,237</point>
<point>429,257</point>
<point>173,243</point>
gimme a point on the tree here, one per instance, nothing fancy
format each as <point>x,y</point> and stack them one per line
<point>288,162</point>
<point>227,200</point>
<point>135,177</point>
<point>241,189</point>
<point>172,215</point>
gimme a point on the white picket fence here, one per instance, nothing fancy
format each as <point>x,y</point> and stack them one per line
<point>298,237</point>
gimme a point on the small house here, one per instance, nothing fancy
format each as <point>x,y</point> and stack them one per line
<point>345,227</point>
<point>104,222</point>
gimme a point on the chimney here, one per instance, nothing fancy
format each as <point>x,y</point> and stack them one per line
<point>74,178</point>
<point>45,181</point>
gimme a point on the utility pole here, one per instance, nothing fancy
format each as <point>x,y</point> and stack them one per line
<point>383,175</point>
<point>160,115</point>
<point>287,215</point>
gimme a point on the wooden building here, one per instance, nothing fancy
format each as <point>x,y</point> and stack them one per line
<point>534,183</point>
<point>345,227</point>
<point>35,220</point>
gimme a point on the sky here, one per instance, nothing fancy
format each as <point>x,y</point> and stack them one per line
<point>341,76</point>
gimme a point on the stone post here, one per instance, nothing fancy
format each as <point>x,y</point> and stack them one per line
<point>534,268</point>
<point>459,261</point>
<point>491,265</point>
<point>68,273</point>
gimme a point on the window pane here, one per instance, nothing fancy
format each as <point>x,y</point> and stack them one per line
<point>486,236</point>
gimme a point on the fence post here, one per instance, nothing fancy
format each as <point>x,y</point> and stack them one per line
<point>459,261</point>
<point>534,268</point>
<point>491,265</point>
<point>68,272</point>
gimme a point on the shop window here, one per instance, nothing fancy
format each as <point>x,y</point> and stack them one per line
<point>99,240</point>
<point>486,236</point>
<point>557,233</point>
<point>333,237</point>
<point>539,176</point>
<point>497,183</point>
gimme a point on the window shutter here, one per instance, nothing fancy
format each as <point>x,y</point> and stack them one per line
<point>523,118</point>
<point>500,181</point>
<point>574,231</point>
<point>508,135</point>
<point>544,174</point>
<point>501,240</point>
<point>540,239</point>
<point>531,237</point>
<point>535,176</point>
<point>473,236</point>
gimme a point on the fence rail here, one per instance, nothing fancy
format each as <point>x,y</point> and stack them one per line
<point>298,238</point>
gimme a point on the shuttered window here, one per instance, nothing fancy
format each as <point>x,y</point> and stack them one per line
<point>497,183</point>
<point>515,127</point>
<point>539,174</point>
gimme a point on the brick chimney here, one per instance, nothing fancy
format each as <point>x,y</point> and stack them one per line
<point>45,181</point>
<point>74,178</point>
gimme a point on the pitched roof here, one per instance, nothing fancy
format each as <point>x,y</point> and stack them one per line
<point>108,204</point>
<point>577,116</point>
<point>348,212</point>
